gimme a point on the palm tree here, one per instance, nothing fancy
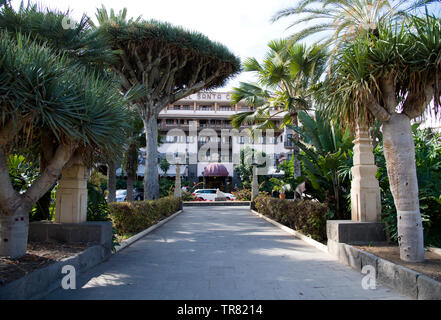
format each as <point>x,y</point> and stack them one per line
<point>284,77</point>
<point>345,19</point>
<point>134,142</point>
<point>392,76</point>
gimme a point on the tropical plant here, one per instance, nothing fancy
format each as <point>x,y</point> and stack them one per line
<point>245,167</point>
<point>44,93</point>
<point>392,76</point>
<point>338,21</point>
<point>326,149</point>
<point>164,165</point>
<point>167,63</point>
<point>284,78</point>
<point>79,43</point>
<point>281,186</point>
<point>428,164</point>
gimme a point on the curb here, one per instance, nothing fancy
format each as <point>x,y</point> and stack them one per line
<point>124,244</point>
<point>293,232</point>
<point>41,282</point>
<point>216,203</point>
<point>406,281</point>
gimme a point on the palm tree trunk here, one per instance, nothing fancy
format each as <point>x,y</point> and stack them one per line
<point>131,167</point>
<point>151,183</point>
<point>296,149</point>
<point>111,181</point>
<point>399,151</point>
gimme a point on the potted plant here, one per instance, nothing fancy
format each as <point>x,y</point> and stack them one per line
<point>281,187</point>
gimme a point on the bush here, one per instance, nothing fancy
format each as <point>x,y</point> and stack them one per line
<point>134,217</point>
<point>242,195</point>
<point>306,216</point>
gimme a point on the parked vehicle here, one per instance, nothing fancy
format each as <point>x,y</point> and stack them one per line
<point>121,195</point>
<point>210,194</point>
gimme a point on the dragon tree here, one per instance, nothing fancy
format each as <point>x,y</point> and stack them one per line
<point>169,63</point>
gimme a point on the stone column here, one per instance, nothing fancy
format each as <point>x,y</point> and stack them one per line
<point>178,190</point>
<point>71,202</point>
<point>365,189</point>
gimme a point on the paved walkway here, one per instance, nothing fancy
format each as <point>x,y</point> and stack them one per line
<point>221,253</point>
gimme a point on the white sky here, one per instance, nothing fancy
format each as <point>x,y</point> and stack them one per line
<point>242,25</point>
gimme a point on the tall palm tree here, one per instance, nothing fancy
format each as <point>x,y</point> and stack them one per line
<point>344,19</point>
<point>284,77</point>
<point>392,76</point>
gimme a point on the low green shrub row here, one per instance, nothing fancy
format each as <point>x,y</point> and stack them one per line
<point>134,217</point>
<point>306,216</point>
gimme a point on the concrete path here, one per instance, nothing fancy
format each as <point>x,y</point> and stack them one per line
<point>221,253</point>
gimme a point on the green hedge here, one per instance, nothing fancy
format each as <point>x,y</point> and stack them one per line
<point>306,216</point>
<point>134,217</point>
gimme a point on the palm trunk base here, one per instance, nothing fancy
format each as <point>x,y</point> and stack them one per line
<point>13,235</point>
<point>410,224</point>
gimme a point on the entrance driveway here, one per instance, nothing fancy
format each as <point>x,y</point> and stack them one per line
<point>221,253</point>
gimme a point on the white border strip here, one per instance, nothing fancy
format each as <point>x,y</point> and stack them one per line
<point>296,234</point>
<point>138,236</point>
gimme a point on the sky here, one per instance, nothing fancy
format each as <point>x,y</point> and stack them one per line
<point>242,25</point>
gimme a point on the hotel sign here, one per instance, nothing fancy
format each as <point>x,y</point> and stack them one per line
<point>209,96</point>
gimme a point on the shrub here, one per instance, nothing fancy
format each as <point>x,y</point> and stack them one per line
<point>134,217</point>
<point>306,216</point>
<point>242,195</point>
<point>188,196</point>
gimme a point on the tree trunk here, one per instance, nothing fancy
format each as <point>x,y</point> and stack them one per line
<point>111,181</point>
<point>131,167</point>
<point>130,181</point>
<point>14,208</point>
<point>14,233</point>
<point>399,151</point>
<point>151,183</point>
<point>48,148</point>
<point>43,207</point>
<point>296,149</point>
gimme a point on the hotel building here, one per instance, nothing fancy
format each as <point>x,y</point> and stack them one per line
<point>198,129</point>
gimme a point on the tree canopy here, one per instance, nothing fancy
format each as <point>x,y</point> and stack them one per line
<point>168,60</point>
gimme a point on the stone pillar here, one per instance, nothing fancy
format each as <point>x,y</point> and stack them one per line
<point>365,189</point>
<point>71,203</point>
<point>178,190</point>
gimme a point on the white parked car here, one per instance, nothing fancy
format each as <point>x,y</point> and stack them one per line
<point>121,195</point>
<point>210,194</point>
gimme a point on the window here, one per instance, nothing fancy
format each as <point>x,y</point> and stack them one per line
<point>206,108</point>
<point>186,107</point>
<point>225,108</point>
<point>170,121</point>
<point>176,107</point>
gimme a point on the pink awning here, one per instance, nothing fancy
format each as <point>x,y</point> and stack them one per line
<point>215,170</point>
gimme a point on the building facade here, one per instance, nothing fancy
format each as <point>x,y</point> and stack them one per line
<point>196,132</point>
